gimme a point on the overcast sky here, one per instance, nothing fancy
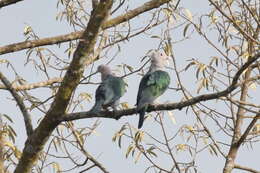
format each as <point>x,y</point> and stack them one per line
<point>40,15</point>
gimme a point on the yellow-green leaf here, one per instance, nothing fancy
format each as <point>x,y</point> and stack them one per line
<point>188,14</point>
<point>138,156</point>
<point>253,86</point>
<point>56,167</point>
<point>186,29</point>
<point>129,149</point>
<point>170,114</point>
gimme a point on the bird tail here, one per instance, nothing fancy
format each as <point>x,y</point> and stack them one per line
<point>141,116</point>
<point>96,108</point>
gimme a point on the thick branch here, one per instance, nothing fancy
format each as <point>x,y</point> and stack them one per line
<point>76,35</point>
<point>4,3</point>
<point>94,4</point>
<point>2,143</point>
<point>135,12</point>
<point>33,85</point>
<point>169,106</point>
<point>237,140</point>
<point>37,140</point>
<point>19,100</point>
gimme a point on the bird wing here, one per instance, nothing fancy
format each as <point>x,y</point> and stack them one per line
<point>153,85</point>
<point>110,90</point>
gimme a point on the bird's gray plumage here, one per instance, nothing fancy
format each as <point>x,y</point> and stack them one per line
<point>109,91</point>
<point>153,84</point>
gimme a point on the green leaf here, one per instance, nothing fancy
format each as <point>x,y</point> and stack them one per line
<point>188,14</point>
<point>129,149</point>
<point>155,36</point>
<point>189,65</point>
<point>7,117</point>
<point>213,150</point>
<point>130,68</point>
<point>56,167</point>
<point>120,141</point>
<point>150,151</point>
<point>186,29</point>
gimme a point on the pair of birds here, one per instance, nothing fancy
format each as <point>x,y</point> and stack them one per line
<point>153,84</point>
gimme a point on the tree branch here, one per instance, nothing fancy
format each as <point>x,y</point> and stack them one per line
<point>246,168</point>
<point>241,30</point>
<point>4,3</point>
<point>168,106</point>
<point>86,153</point>
<point>2,144</point>
<point>19,100</point>
<point>77,35</point>
<point>94,4</point>
<point>37,140</point>
<point>33,85</point>
<point>248,129</point>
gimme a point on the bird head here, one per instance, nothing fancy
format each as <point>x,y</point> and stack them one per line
<point>159,59</point>
<point>104,70</point>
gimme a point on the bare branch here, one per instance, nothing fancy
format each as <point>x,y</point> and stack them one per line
<point>77,35</point>
<point>19,100</point>
<point>4,3</point>
<point>246,168</point>
<point>175,163</point>
<point>168,106</point>
<point>248,129</point>
<point>2,144</point>
<point>41,42</point>
<point>33,85</point>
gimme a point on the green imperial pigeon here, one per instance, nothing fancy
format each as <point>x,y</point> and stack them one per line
<point>153,84</point>
<point>109,91</point>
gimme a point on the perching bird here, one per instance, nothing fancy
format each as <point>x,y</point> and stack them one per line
<point>153,84</point>
<point>109,91</point>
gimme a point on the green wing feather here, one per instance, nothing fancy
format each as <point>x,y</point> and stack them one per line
<point>118,86</point>
<point>153,84</point>
<point>108,92</point>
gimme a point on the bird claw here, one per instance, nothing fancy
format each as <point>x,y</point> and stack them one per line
<point>152,104</point>
<point>114,113</point>
<point>117,117</point>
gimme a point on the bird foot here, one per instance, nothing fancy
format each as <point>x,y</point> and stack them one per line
<point>117,117</point>
<point>153,104</point>
<point>114,114</point>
